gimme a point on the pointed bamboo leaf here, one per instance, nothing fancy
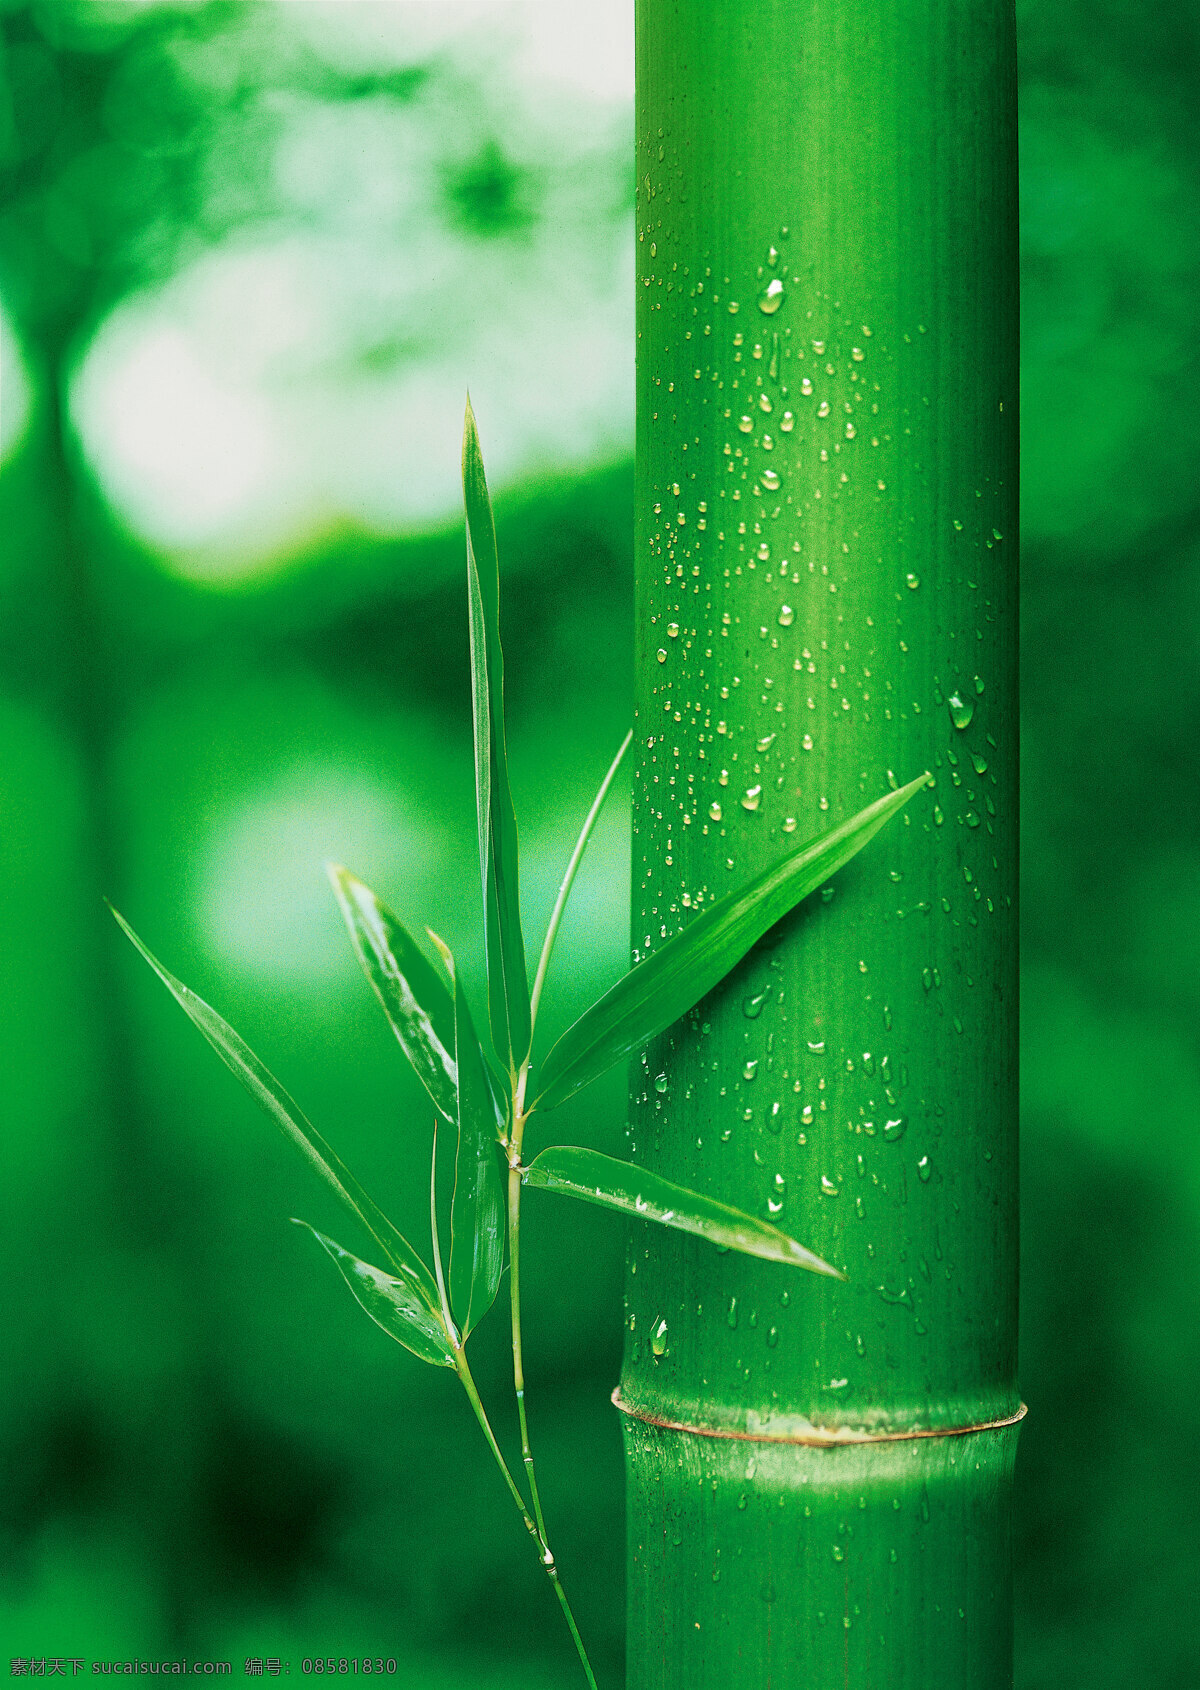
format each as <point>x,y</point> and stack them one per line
<point>477,1210</point>
<point>267,1092</point>
<point>568,879</point>
<point>414,999</point>
<point>597,1178</point>
<point>391,1304</point>
<point>666,985</point>
<point>508,987</point>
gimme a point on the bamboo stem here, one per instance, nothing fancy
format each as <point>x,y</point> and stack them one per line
<point>514,1284</point>
<point>826,518</point>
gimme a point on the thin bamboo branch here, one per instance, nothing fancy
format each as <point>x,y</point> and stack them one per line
<point>568,880</point>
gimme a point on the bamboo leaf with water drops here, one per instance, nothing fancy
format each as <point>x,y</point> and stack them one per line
<point>508,986</point>
<point>477,1208</point>
<point>391,1303</point>
<point>596,1178</point>
<point>666,985</point>
<point>415,1001</point>
<point>267,1092</point>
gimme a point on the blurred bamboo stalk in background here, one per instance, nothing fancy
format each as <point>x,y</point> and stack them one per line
<point>826,603</point>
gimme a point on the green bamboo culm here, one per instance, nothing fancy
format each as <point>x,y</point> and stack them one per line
<point>826,599</point>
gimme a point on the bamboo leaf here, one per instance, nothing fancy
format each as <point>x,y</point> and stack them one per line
<point>391,1304</point>
<point>413,997</point>
<point>267,1092</point>
<point>508,987</point>
<point>477,1209</point>
<point>568,879</point>
<point>597,1178</point>
<point>666,985</point>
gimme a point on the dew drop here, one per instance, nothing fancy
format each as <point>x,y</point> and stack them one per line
<point>658,1340</point>
<point>770,479</point>
<point>913,581</point>
<point>961,710</point>
<point>746,424</point>
<point>786,616</point>
<point>751,798</point>
<point>828,1186</point>
<point>787,422</point>
<point>672,630</point>
<point>750,1069</point>
<point>732,1316</point>
<point>752,1007</point>
<point>924,1169</point>
<point>895,1128</point>
<point>771,297</point>
<point>765,743</point>
<point>789,824</point>
<point>661,1083</point>
<point>661,654</point>
<point>714,811</point>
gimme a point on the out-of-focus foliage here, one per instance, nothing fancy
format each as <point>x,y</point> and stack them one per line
<point>1108,1477</point>
<point>250,255</point>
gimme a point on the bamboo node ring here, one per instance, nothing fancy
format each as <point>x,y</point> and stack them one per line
<point>817,1437</point>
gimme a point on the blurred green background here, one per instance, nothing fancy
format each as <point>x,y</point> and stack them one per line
<point>250,256</point>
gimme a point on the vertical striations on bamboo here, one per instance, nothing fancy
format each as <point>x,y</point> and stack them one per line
<point>826,605</point>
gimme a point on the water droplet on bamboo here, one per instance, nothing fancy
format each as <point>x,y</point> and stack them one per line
<point>771,297</point>
<point>961,710</point>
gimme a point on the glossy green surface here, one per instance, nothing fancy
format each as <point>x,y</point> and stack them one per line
<point>673,979</point>
<point>882,1567</point>
<point>597,1178</point>
<point>826,523</point>
<point>416,1003</point>
<point>391,1304</point>
<point>508,989</point>
<point>477,1207</point>
<point>272,1097</point>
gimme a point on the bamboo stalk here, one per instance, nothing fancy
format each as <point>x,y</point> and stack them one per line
<point>827,223</point>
